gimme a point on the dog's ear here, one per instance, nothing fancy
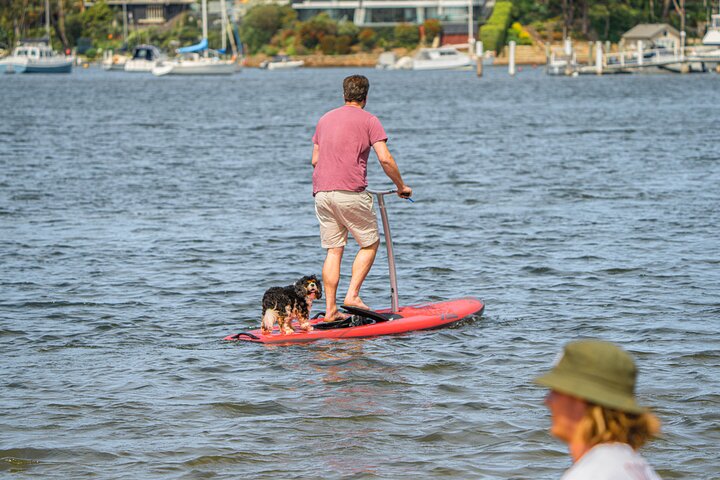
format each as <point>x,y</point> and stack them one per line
<point>319,288</point>
<point>300,289</point>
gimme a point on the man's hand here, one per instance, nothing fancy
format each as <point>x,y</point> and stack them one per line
<point>315,155</point>
<point>404,192</point>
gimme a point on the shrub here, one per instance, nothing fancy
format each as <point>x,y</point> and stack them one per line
<point>342,44</point>
<point>367,38</point>
<point>328,44</point>
<point>348,28</point>
<point>311,32</point>
<point>492,33</point>
<point>490,36</point>
<point>406,35</point>
<point>270,50</point>
<point>519,35</point>
<point>433,28</point>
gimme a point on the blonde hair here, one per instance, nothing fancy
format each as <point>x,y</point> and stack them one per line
<point>605,425</point>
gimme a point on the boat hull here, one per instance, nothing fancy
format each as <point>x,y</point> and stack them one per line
<point>433,65</point>
<point>30,67</point>
<point>285,65</point>
<point>139,66</point>
<point>192,68</point>
<point>413,318</point>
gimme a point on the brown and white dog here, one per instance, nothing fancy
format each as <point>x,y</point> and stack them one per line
<point>283,304</point>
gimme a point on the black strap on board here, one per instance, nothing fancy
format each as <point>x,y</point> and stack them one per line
<point>245,334</point>
<point>359,317</point>
<point>378,317</point>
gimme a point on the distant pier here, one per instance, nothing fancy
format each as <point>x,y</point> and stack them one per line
<point>601,61</point>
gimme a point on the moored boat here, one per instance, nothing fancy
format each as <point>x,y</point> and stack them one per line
<point>281,62</point>
<point>144,58</point>
<point>195,64</point>
<point>712,36</point>
<point>442,58</point>
<point>114,61</point>
<point>37,57</point>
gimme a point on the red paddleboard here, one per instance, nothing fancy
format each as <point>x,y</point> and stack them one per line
<point>406,319</point>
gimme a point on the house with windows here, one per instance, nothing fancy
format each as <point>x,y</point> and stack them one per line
<point>151,12</point>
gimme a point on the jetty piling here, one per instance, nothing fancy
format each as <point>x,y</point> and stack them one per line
<point>511,63</point>
<point>479,57</point>
<point>598,58</point>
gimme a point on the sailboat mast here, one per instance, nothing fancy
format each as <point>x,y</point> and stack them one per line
<point>125,32</point>
<point>224,24</point>
<point>47,19</point>
<point>204,21</point>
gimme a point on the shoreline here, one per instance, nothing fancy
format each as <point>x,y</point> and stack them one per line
<point>365,59</point>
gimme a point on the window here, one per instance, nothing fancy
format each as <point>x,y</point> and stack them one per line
<point>334,13</point>
<point>453,14</point>
<point>392,15</point>
<point>154,12</point>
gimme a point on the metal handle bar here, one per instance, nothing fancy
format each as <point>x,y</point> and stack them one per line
<point>387,192</point>
<point>394,301</point>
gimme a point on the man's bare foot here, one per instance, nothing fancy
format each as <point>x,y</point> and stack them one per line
<point>355,302</point>
<point>334,316</point>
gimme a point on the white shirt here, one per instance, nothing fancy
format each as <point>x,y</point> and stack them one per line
<point>611,461</point>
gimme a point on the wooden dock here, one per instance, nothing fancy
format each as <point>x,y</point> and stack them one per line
<point>694,59</point>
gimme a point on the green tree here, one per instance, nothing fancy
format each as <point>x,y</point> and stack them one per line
<point>406,35</point>
<point>97,21</point>
<point>433,28</point>
<point>311,33</point>
<point>367,38</point>
<point>262,22</point>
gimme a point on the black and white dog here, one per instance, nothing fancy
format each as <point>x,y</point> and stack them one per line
<point>283,304</point>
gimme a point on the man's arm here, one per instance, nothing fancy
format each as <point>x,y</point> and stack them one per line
<point>315,154</point>
<point>387,162</point>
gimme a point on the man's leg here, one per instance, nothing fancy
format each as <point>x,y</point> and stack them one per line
<point>331,278</point>
<point>361,267</point>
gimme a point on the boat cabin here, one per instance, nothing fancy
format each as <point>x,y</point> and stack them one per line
<point>712,36</point>
<point>146,52</point>
<point>38,51</point>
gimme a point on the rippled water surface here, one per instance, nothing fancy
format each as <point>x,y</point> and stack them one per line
<point>142,218</point>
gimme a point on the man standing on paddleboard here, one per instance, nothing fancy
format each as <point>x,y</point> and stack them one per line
<point>342,141</point>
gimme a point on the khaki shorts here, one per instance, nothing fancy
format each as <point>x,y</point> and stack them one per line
<point>341,211</point>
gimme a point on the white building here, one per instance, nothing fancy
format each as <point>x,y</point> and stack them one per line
<point>453,14</point>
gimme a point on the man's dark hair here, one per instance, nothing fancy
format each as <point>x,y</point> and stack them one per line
<point>355,88</point>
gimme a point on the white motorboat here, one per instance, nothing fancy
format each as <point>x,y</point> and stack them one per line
<point>144,58</point>
<point>443,58</point>
<point>281,62</point>
<point>386,61</point>
<point>712,36</point>
<point>709,54</point>
<point>36,58</point>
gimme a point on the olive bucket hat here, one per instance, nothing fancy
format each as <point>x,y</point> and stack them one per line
<point>596,371</point>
